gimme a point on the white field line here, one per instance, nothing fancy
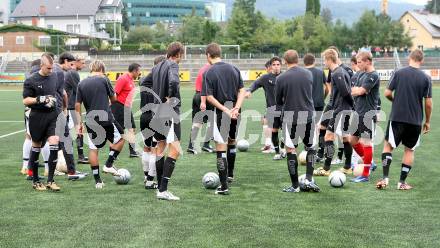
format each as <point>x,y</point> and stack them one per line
<point>9,134</point>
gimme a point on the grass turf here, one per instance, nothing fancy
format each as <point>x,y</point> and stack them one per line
<point>256,214</point>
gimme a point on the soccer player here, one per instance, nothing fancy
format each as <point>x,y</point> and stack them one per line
<point>196,121</point>
<point>294,92</point>
<point>72,79</point>
<point>342,107</point>
<point>149,153</point>
<point>366,97</point>
<point>95,92</point>
<point>223,88</point>
<point>267,82</point>
<point>166,122</point>
<point>39,91</point>
<point>65,66</point>
<point>411,87</point>
<point>320,92</point>
<point>125,90</point>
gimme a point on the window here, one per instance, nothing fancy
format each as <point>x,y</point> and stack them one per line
<point>1,40</point>
<point>19,40</point>
<point>69,28</point>
<point>147,14</point>
<point>77,28</point>
<point>44,40</point>
<point>50,26</point>
<point>128,13</point>
<point>128,5</point>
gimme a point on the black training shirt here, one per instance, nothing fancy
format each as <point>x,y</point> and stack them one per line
<point>94,93</point>
<point>294,92</point>
<point>341,90</point>
<point>166,82</point>
<point>363,104</point>
<point>223,82</point>
<point>37,85</point>
<point>146,84</point>
<point>319,81</point>
<point>267,82</point>
<point>71,78</point>
<point>410,86</point>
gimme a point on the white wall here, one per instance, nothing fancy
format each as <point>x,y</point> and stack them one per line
<point>4,7</point>
<point>60,23</point>
<point>218,11</point>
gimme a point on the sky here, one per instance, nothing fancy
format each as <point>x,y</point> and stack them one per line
<point>419,2</point>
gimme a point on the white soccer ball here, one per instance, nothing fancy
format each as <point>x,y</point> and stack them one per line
<point>123,178</point>
<point>243,145</point>
<point>211,180</point>
<point>337,179</point>
<point>302,178</point>
<point>302,158</point>
<point>61,162</point>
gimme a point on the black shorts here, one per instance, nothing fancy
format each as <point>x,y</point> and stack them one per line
<point>147,132</point>
<point>364,127</point>
<point>101,131</point>
<point>119,112</point>
<point>326,116</point>
<point>197,115</point>
<point>224,127</point>
<point>166,129</point>
<point>340,123</point>
<point>293,132</point>
<point>42,125</point>
<point>408,134</point>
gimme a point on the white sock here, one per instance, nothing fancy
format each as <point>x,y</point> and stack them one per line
<point>145,160</point>
<point>27,145</point>
<point>152,170</point>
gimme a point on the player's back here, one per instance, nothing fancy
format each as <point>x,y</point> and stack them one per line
<point>223,81</point>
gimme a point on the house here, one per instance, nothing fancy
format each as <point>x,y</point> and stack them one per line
<point>423,28</point>
<point>84,17</point>
<point>22,42</point>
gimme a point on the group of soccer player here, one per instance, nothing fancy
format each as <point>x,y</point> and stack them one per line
<point>294,100</point>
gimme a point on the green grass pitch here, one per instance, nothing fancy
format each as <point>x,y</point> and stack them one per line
<point>256,214</point>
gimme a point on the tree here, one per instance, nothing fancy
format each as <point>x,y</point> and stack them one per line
<point>342,36</point>
<point>433,6</point>
<point>366,29</point>
<point>210,30</point>
<point>327,17</point>
<point>240,26</point>
<point>313,7</point>
<point>191,31</point>
<point>141,34</point>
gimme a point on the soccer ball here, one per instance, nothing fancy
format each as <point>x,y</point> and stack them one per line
<point>301,180</point>
<point>243,145</point>
<point>123,178</point>
<point>61,163</point>
<point>210,180</point>
<point>337,179</point>
<point>358,170</point>
<point>302,158</point>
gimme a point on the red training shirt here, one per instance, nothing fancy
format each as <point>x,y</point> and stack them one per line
<point>199,78</point>
<point>125,89</point>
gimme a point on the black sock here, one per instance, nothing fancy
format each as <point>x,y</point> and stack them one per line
<point>340,152</point>
<point>53,155</point>
<point>222,167</point>
<point>310,163</point>
<point>206,144</point>
<point>232,152</point>
<point>80,145</point>
<point>159,168</point>
<point>282,145</point>
<point>329,153</point>
<point>33,165</point>
<point>348,151</point>
<point>321,143</point>
<point>276,142</point>
<point>387,158</point>
<point>292,166</point>
<point>404,172</point>
<point>112,156</point>
<point>148,177</point>
<point>95,172</point>
<point>168,169</point>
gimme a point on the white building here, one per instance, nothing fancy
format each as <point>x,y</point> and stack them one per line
<point>4,12</point>
<point>217,11</point>
<point>85,17</point>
